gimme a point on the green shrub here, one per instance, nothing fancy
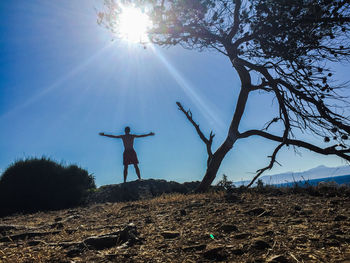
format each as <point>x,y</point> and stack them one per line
<point>41,184</point>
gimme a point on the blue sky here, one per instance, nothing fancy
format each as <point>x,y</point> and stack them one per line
<point>62,80</point>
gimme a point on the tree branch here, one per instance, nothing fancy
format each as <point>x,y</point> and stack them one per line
<point>236,20</point>
<point>245,78</point>
<point>299,143</point>
<point>322,109</point>
<point>273,160</point>
<point>268,124</point>
<point>208,142</point>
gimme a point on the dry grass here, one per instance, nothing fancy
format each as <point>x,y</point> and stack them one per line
<point>300,228</point>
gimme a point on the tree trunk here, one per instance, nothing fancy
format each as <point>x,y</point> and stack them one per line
<point>213,166</point>
<point>219,155</point>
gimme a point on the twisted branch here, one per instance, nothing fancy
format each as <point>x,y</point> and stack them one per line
<point>325,151</point>
<point>269,167</point>
<point>208,142</point>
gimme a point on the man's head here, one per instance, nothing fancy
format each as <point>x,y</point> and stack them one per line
<point>127,130</point>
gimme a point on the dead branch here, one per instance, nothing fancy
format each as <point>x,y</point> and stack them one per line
<point>325,151</point>
<point>269,167</point>
<point>268,124</point>
<point>208,142</point>
<point>298,143</point>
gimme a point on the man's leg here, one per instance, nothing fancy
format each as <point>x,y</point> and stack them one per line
<point>125,172</point>
<point>137,171</point>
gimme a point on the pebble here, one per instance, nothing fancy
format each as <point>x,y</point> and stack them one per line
<point>340,218</point>
<point>260,244</point>
<point>216,253</point>
<point>170,234</point>
<point>228,228</point>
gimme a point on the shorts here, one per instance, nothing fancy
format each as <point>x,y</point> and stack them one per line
<point>130,157</point>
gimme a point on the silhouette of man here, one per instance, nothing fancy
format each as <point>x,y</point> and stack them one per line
<point>129,155</point>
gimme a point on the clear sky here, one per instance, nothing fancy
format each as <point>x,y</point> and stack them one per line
<point>62,81</point>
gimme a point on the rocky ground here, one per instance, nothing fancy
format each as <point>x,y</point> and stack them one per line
<point>213,227</point>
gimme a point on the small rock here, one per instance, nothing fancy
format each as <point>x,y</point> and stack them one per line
<point>332,243</point>
<point>260,244</point>
<point>237,252</point>
<point>112,256</point>
<point>170,234</point>
<point>217,254</point>
<point>334,202</point>
<point>306,212</point>
<point>73,252</point>
<point>228,228</point>
<point>232,198</point>
<point>194,247</point>
<point>340,218</point>
<point>70,231</point>
<point>278,259</point>
<point>177,218</point>
<point>57,225</point>
<point>241,236</point>
<point>296,221</point>
<point>338,232</point>
<point>269,233</point>
<point>127,235</point>
<point>5,228</point>
<point>70,244</point>
<point>256,260</point>
<point>34,243</point>
<point>57,219</point>
<point>148,220</point>
<point>297,208</point>
<point>162,246</point>
<point>101,242</point>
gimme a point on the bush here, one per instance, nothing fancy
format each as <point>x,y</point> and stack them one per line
<point>225,184</point>
<point>41,184</point>
<point>260,184</point>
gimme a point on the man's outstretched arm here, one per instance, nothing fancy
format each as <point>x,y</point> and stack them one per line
<point>144,135</point>
<point>111,136</point>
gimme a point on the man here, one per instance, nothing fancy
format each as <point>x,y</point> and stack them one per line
<point>129,155</point>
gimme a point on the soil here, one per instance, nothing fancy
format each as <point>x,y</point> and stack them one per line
<point>212,227</point>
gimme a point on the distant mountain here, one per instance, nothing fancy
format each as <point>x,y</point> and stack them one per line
<point>314,173</point>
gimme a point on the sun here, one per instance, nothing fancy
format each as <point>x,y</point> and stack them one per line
<point>133,25</point>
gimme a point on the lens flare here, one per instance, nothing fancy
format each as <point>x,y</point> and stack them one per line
<point>133,25</point>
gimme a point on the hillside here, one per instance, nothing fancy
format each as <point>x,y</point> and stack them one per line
<point>314,173</point>
<point>246,226</point>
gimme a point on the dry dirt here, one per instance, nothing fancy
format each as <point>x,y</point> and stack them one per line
<point>185,228</point>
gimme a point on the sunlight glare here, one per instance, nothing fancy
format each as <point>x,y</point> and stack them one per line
<point>133,25</point>
<point>204,106</point>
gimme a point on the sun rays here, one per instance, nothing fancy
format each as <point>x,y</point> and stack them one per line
<point>133,25</point>
<point>198,100</point>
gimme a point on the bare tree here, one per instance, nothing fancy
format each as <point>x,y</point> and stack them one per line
<point>284,48</point>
